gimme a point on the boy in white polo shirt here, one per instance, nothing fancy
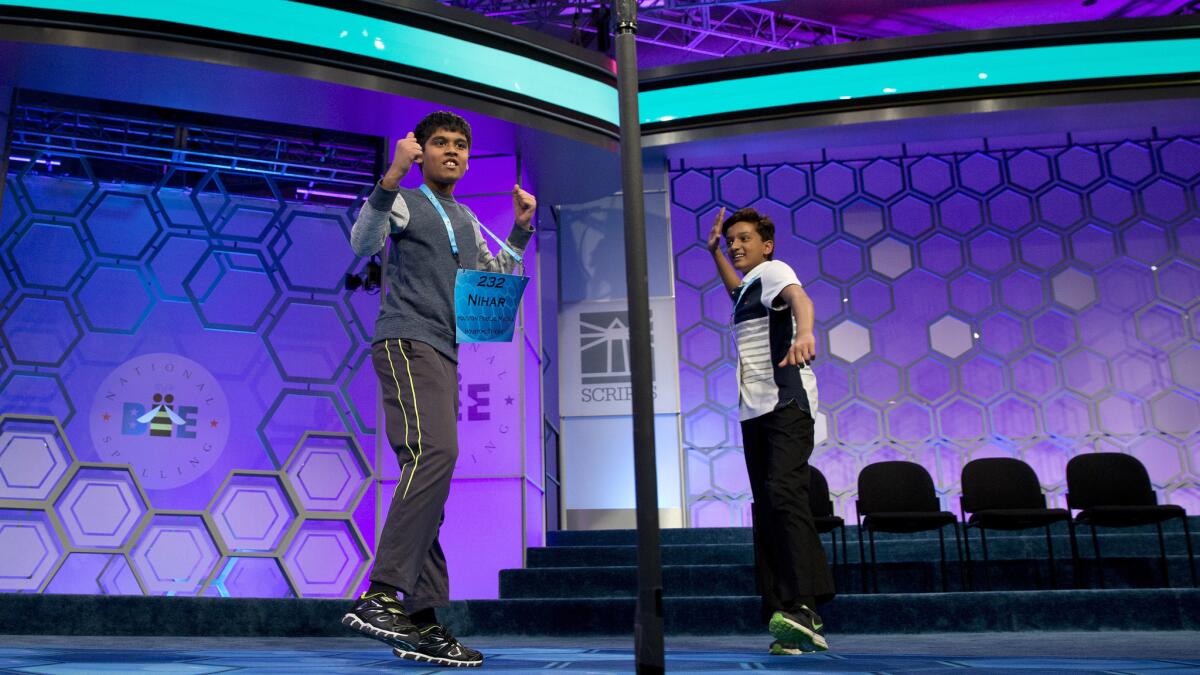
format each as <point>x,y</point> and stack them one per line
<point>777,400</point>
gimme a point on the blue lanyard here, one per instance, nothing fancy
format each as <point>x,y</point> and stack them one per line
<point>437,204</point>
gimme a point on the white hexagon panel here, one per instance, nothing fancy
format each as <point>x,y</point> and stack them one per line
<point>891,258</point>
<point>950,336</point>
<point>325,559</point>
<point>175,555</point>
<point>31,549</point>
<point>849,341</point>
<point>252,512</point>
<point>34,456</point>
<point>100,507</point>
<point>328,472</point>
<point>1073,289</point>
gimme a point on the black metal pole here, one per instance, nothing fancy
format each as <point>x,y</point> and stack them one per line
<point>648,622</point>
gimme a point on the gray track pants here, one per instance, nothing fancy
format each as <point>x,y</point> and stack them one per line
<point>420,403</point>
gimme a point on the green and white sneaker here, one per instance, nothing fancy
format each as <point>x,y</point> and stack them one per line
<point>801,628</point>
<point>778,648</point>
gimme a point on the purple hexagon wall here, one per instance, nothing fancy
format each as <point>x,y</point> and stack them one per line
<point>1034,302</point>
<point>187,394</point>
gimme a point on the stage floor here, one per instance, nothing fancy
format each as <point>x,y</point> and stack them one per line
<point>1127,652</point>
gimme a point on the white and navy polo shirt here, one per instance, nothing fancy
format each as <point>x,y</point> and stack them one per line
<point>764,330</point>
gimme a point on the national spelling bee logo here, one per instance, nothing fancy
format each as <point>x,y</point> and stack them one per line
<point>163,414</point>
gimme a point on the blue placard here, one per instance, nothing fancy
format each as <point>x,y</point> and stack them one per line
<point>486,304</point>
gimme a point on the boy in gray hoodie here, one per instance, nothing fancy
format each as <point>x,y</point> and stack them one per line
<point>416,360</point>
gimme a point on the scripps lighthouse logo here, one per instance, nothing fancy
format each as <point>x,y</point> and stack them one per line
<point>163,414</point>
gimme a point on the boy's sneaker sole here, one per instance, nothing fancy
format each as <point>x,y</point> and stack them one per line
<point>778,648</point>
<point>398,641</point>
<point>435,660</point>
<point>786,630</point>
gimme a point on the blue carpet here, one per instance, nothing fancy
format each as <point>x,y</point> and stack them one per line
<point>338,658</point>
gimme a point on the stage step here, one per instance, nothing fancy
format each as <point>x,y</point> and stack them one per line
<point>719,562</point>
<point>888,548</point>
<point>892,577</point>
<point>742,535</point>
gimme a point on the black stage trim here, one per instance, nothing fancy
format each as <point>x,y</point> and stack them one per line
<point>941,44</point>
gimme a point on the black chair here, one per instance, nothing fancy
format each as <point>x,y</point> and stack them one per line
<point>898,497</point>
<point>1111,489</point>
<point>1002,493</point>
<point>822,511</point>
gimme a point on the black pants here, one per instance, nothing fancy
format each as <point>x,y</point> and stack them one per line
<point>790,568</point>
<point>420,405</point>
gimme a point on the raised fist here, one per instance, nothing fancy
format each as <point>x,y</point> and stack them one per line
<point>524,204</point>
<point>407,152</point>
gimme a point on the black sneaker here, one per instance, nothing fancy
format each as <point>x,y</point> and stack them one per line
<point>801,628</point>
<point>381,616</point>
<point>440,648</point>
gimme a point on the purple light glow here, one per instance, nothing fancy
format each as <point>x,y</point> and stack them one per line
<point>249,291</point>
<point>1036,329</point>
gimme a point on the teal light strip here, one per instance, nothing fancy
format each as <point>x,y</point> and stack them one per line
<point>351,33</point>
<point>925,74</point>
<point>366,36</point>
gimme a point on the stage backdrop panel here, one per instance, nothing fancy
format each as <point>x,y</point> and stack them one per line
<point>1037,301</point>
<point>189,403</point>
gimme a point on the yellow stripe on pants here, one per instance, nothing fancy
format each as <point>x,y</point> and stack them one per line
<point>416,413</point>
<point>400,402</point>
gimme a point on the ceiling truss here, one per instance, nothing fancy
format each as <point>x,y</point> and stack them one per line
<point>711,28</point>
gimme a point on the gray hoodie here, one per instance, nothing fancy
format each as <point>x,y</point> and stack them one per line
<point>419,300</point>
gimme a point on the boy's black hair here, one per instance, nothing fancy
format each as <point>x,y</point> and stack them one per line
<point>441,120</point>
<point>762,223</point>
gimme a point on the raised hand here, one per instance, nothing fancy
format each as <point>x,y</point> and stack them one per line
<point>524,204</point>
<point>714,236</point>
<point>407,153</point>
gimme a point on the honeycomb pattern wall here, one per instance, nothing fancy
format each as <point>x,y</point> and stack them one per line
<point>1032,302</point>
<point>188,404</point>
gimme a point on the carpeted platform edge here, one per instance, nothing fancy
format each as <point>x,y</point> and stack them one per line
<point>1151,609</point>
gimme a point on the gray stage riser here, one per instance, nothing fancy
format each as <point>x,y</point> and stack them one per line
<point>887,549</point>
<point>913,577</point>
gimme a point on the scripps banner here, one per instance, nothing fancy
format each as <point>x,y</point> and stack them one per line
<point>595,376</point>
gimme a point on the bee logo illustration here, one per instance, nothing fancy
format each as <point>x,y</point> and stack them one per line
<point>162,417</point>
